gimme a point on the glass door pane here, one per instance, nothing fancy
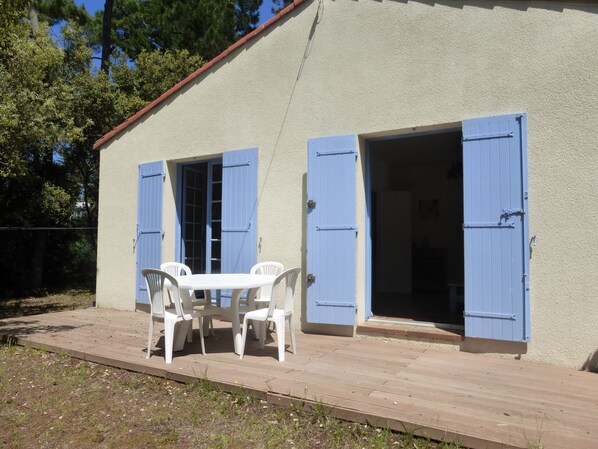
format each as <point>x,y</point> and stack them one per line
<point>194,216</point>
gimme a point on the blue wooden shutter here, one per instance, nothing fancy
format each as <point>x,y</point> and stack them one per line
<point>148,246</point>
<point>496,228</point>
<point>331,230</point>
<point>239,212</point>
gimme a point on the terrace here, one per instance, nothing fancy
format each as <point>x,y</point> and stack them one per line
<point>478,400</point>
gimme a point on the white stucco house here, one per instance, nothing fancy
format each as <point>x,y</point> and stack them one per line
<point>432,163</point>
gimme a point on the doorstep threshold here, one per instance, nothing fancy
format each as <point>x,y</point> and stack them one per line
<point>429,324</point>
<point>422,331</point>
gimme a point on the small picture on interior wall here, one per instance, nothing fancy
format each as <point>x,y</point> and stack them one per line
<point>428,209</point>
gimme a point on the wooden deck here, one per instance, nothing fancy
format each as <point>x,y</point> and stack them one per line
<point>478,400</point>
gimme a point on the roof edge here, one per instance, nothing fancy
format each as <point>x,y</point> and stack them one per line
<point>128,122</point>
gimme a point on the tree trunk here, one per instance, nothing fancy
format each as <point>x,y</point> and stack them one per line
<point>34,20</point>
<point>106,35</point>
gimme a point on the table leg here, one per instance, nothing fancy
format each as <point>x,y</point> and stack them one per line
<point>208,319</point>
<point>234,318</point>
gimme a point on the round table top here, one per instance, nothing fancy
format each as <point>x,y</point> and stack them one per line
<point>224,281</point>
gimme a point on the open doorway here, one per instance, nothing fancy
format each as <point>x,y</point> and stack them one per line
<point>416,188</point>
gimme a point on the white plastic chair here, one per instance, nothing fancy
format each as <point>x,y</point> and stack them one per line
<point>264,293</point>
<point>180,269</point>
<point>271,268</point>
<point>274,315</point>
<point>158,282</point>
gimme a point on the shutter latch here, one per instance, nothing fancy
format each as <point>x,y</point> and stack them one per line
<point>311,204</point>
<point>311,278</point>
<point>508,212</point>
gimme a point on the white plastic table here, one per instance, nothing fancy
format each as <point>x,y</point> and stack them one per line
<point>225,281</point>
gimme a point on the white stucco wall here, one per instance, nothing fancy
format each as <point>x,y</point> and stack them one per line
<point>373,67</point>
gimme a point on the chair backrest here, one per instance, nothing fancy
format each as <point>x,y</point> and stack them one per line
<point>157,282</point>
<point>272,268</point>
<point>290,280</point>
<point>176,268</point>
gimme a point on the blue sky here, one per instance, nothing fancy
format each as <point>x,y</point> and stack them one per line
<point>93,5</point>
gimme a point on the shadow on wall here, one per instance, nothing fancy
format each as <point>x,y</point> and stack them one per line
<point>591,364</point>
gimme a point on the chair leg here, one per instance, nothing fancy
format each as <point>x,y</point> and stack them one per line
<point>149,338</point>
<point>243,338</point>
<point>208,327</point>
<point>190,332</point>
<point>279,326</point>
<point>263,327</point>
<point>203,347</point>
<point>169,326</point>
<point>292,332</point>
<point>256,326</point>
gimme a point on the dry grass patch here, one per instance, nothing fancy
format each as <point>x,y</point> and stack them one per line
<point>50,400</point>
<point>33,305</point>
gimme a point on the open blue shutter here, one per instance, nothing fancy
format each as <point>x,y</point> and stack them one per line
<point>239,212</point>
<point>331,230</point>
<point>496,228</point>
<point>148,247</point>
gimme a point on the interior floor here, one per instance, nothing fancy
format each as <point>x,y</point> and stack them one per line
<point>431,307</point>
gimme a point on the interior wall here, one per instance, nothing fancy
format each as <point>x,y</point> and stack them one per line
<point>381,176</point>
<point>392,264</point>
<point>428,167</point>
<point>430,182</point>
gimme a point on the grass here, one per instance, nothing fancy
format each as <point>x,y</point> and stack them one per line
<point>69,300</point>
<point>51,400</point>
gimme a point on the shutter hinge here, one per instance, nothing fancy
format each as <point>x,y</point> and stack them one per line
<point>237,229</point>
<point>236,164</point>
<point>498,316</point>
<point>337,228</point>
<point>488,225</point>
<point>498,135</point>
<point>336,152</point>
